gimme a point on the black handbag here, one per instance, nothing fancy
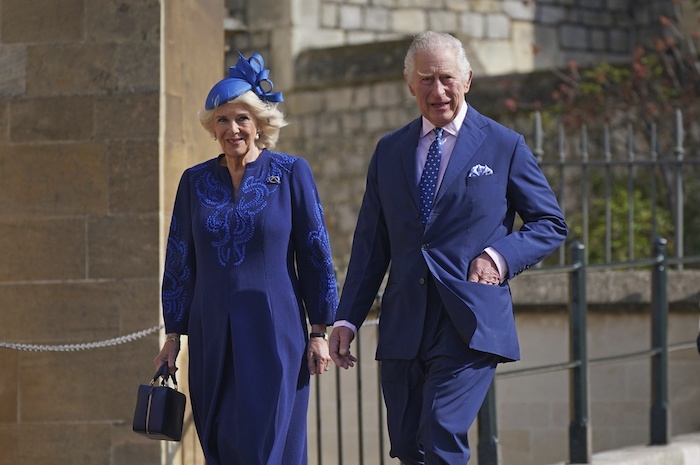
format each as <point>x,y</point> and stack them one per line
<point>160,409</point>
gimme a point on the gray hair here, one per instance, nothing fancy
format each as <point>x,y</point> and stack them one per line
<point>268,118</point>
<point>430,41</point>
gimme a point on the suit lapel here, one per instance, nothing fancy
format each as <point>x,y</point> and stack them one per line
<point>407,151</point>
<point>468,142</point>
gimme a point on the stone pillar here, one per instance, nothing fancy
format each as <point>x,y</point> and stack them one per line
<point>98,117</point>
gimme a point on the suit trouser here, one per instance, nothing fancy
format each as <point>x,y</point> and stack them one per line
<point>433,399</point>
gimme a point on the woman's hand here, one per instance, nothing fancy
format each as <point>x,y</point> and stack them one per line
<point>318,355</point>
<point>168,354</point>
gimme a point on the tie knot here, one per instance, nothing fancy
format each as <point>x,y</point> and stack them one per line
<point>438,133</point>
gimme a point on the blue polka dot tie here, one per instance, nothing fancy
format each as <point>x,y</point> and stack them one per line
<point>428,180</point>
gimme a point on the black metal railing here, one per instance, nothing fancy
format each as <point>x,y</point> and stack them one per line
<point>580,447</point>
<point>578,364</point>
<point>599,173</point>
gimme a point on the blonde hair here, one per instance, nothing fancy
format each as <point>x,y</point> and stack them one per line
<point>268,118</point>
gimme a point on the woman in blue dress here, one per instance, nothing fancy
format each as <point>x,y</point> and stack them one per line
<point>248,269</point>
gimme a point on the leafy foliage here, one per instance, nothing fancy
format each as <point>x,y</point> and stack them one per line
<point>662,76</point>
<point>644,227</point>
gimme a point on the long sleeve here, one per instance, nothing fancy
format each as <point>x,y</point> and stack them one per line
<point>531,197</point>
<point>370,255</point>
<point>312,247</point>
<point>180,272</point>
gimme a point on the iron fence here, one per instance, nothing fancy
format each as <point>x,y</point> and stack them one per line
<point>623,186</point>
<point>580,445</point>
<point>578,364</point>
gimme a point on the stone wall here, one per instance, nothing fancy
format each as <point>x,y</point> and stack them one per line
<point>501,36</point>
<point>79,99</point>
<point>98,108</point>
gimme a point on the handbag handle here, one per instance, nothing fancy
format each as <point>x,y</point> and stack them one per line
<point>164,373</point>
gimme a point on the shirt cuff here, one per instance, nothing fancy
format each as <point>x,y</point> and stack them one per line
<point>499,261</point>
<point>346,324</point>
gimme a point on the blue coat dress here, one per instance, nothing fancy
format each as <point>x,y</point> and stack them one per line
<point>242,277</point>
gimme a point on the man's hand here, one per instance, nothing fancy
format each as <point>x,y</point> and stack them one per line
<point>339,344</point>
<point>483,270</point>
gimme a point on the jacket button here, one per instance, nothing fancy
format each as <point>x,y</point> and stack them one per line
<point>424,247</point>
<point>422,281</point>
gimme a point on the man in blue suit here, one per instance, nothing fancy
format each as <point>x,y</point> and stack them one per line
<point>446,232</point>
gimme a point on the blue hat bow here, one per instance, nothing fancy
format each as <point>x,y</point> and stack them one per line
<point>246,75</point>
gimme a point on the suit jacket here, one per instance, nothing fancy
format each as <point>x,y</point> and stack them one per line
<point>470,213</point>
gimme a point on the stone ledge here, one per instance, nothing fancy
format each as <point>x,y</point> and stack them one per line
<point>683,450</point>
<point>607,290</point>
<point>352,65</point>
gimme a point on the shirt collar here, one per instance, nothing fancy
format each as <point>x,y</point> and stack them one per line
<point>451,128</point>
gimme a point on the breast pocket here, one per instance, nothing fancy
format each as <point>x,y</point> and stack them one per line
<point>484,190</point>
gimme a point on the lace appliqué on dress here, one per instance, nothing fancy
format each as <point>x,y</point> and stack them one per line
<point>319,250</point>
<point>233,224</point>
<point>176,275</point>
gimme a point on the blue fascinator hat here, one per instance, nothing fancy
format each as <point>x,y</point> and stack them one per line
<point>248,74</point>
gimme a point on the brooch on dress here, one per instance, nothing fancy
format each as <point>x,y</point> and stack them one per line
<point>273,180</point>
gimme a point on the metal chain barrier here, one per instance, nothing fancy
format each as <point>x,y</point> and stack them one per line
<point>98,344</point>
<point>82,346</point>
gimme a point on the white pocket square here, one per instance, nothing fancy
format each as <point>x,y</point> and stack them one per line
<point>480,170</point>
